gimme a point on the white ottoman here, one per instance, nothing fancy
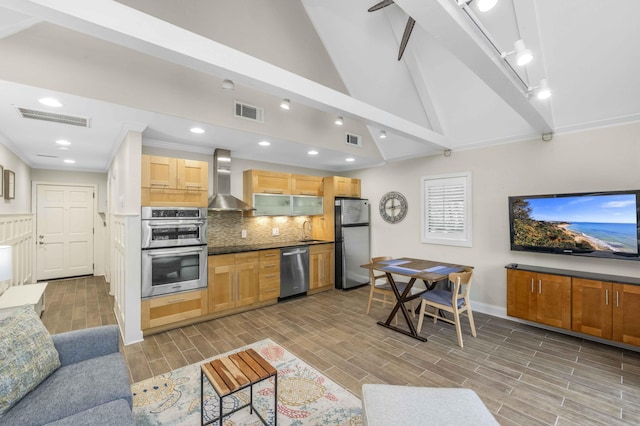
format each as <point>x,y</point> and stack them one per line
<point>385,405</point>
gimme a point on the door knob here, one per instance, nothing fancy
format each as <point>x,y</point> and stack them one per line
<point>41,236</point>
<point>41,242</point>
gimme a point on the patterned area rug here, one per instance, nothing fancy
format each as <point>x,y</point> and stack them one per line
<point>305,396</point>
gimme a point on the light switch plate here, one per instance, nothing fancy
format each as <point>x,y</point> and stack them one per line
<point>275,232</point>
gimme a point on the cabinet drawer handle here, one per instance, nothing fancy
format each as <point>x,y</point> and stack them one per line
<point>273,191</point>
<point>606,296</point>
<point>270,290</point>
<point>531,285</point>
<point>271,265</point>
<point>175,301</point>
<point>539,286</point>
<point>617,299</point>
<point>270,255</point>
<point>270,276</point>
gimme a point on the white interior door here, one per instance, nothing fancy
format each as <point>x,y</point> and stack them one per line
<point>64,225</point>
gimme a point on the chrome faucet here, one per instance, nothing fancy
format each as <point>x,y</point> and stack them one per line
<point>304,230</point>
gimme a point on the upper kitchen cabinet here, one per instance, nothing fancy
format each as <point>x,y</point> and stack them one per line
<point>174,182</point>
<point>307,185</point>
<point>192,175</point>
<point>345,187</point>
<point>282,194</point>
<point>265,182</point>
<point>334,186</point>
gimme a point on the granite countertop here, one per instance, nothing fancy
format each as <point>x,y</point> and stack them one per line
<point>266,246</point>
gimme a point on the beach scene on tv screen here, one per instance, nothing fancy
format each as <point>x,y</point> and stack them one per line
<point>587,222</point>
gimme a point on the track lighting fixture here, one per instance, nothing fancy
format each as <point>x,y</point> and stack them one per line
<point>542,92</point>
<point>483,5</point>
<point>383,134</point>
<point>486,5</point>
<point>339,121</point>
<point>523,55</point>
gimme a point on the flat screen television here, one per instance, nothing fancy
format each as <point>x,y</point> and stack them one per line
<point>597,224</point>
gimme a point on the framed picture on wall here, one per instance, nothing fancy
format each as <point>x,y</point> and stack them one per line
<point>9,185</point>
<point>1,180</point>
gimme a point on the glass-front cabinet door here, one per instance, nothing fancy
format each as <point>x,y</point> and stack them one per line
<point>272,205</point>
<point>304,205</point>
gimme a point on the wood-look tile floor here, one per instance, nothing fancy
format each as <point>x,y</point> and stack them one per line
<point>524,375</point>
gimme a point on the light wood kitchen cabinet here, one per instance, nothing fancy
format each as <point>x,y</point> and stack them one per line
<point>233,280</point>
<point>607,310</point>
<point>307,185</point>
<point>346,187</point>
<point>269,274</point>
<point>265,182</point>
<point>334,186</point>
<point>173,308</point>
<point>538,297</point>
<point>321,267</point>
<point>174,182</point>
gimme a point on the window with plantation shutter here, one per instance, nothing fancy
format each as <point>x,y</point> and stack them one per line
<point>446,209</point>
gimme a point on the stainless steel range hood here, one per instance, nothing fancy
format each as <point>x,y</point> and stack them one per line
<point>222,200</point>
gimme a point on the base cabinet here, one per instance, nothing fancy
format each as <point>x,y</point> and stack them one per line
<point>233,281</point>
<point>321,267</point>
<point>600,305</point>
<point>269,275</point>
<point>607,310</point>
<point>542,298</point>
<point>174,308</point>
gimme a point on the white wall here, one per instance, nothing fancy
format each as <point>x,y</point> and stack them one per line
<point>22,202</point>
<point>597,160</point>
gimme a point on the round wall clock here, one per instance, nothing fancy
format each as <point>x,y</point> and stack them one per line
<point>393,207</point>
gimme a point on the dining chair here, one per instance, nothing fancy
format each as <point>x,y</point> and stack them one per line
<point>455,301</point>
<point>379,286</point>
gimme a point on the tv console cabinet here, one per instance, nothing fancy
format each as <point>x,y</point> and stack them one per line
<point>600,305</point>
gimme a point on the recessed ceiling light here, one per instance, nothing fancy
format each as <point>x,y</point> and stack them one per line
<point>51,102</point>
<point>69,161</point>
<point>313,152</point>
<point>285,104</point>
<point>383,134</point>
<point>350,159</point>
<point>63,142</point>
<point>264,143</point>
<point>197,130</point>
<point>64,148</point>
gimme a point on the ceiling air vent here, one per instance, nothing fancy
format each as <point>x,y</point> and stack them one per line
<point>249,112</point>
<point>354,140</point>
<point>51,117</point>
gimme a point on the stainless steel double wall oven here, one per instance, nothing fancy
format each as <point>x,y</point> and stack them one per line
<point>174,249</point>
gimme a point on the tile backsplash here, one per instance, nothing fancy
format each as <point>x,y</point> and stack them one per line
<point>225,229</point>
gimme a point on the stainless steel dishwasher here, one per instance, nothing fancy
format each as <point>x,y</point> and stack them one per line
<point>294,271</point>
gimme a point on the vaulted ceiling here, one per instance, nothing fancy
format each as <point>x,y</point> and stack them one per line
<point>157,66</point>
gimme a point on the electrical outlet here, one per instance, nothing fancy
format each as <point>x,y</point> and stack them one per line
<point>275,232</point>
<point>244,233</point>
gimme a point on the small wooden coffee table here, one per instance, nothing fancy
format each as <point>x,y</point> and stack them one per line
<point>233,373</point>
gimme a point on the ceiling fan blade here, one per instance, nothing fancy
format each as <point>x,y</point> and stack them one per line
<point>383,3</point>
<point>405,37</point>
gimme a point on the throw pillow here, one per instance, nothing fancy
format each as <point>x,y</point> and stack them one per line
<point>27,355</point>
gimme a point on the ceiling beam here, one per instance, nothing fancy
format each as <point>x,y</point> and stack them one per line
<point>447,23</point>
<point>125,26</point>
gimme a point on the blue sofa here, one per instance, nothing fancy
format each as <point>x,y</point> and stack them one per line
<point>91,386</point>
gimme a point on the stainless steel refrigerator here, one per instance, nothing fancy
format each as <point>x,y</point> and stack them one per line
<point>352,242</point>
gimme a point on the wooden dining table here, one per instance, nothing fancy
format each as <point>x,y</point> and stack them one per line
<point>429,271</point>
